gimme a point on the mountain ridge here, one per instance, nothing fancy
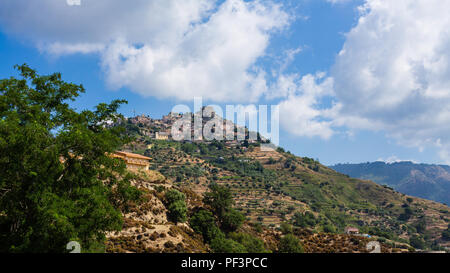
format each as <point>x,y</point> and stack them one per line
<point>427,181</point>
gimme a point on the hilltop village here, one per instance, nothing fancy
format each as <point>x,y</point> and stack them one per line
<point>276,191</point>
<point>161,129</point>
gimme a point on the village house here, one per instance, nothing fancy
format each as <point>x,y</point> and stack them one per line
<point>351,231</point>
<point>162,136</point>
<point>133,161</point>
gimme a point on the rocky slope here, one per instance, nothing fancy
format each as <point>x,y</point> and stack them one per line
<point>146,227</point>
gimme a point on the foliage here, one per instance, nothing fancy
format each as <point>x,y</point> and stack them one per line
<point>446,234</point>
<point>232,220</point>
<point>329,228</point>
<point>304,220</point>
<point>251,243</point>
<point>417,242</point>
<point>245,167</point>
<point>204,223</point>
<point>421,226</point>
<point>220,244</point>
<point>290,244</point>
<point>286,228</point>
<point>57,180</point>
<point>219,198</point>
<point>176,206</point>
<point>406,215</point>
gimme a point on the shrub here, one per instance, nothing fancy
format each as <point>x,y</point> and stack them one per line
<point>222,245</point>
<point>417,242</point>
<point>290,244</point>
<point>232,220</point>
<point>176,205</point>
<point>251,243</point>
<point>304,220</point>
<point>329,229</point>
<point>258,227</point>
<point>219,198</point>
<point>446,234</point>
<point>421,226</point>
<point>286,228</point>
<point>203,222</point>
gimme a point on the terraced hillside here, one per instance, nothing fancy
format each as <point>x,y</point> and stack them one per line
<point>275,187</point>
<point>147,228</point>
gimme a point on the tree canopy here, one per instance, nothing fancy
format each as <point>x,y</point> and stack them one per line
<point>57,180</point>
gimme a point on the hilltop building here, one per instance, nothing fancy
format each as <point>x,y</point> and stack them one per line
<point>162,136</point>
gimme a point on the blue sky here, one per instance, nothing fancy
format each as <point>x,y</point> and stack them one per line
<point>353,82</point>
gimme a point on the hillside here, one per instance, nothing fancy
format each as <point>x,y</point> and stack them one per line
<point>146,225</point>
<point>271,188</point>
<point>426,181</point>
<point>147,228</point>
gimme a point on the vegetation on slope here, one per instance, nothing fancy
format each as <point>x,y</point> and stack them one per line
<point>277,187</point>
<point>57,182</point>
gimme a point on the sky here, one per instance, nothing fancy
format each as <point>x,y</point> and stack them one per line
<point>356,80</point>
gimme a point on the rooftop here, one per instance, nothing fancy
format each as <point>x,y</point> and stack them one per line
<point>127,154</point>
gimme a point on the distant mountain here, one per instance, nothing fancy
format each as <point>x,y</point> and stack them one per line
<point>422,180</point>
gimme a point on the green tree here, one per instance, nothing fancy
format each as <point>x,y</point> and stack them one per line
<point>221,244</point>
<point>251,243</point>
<point>176,205</point>
<point>290,244</point>
<point>446,234</point>
<point>304,220</point>
<point>219,198</point>
<point>417,242</point>
<point>407,214</point>
<point>286,228</point>
<point>57,180</point>
<point>329,228</point>
<point>421,226</point>
<point>204,223</point>
<point>232,220</point>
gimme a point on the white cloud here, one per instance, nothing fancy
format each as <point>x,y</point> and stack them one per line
<point>395,159</point>
<point>301,113</point>
<point>393,73</point>
<point>339,1</point>
<point>162,48</point>
<point>58,49</point>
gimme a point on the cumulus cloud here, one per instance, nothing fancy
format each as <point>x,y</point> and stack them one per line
<point>393,73</point>
<point>301,112</point>
<point>394,159</point>
<point>163,48</point>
